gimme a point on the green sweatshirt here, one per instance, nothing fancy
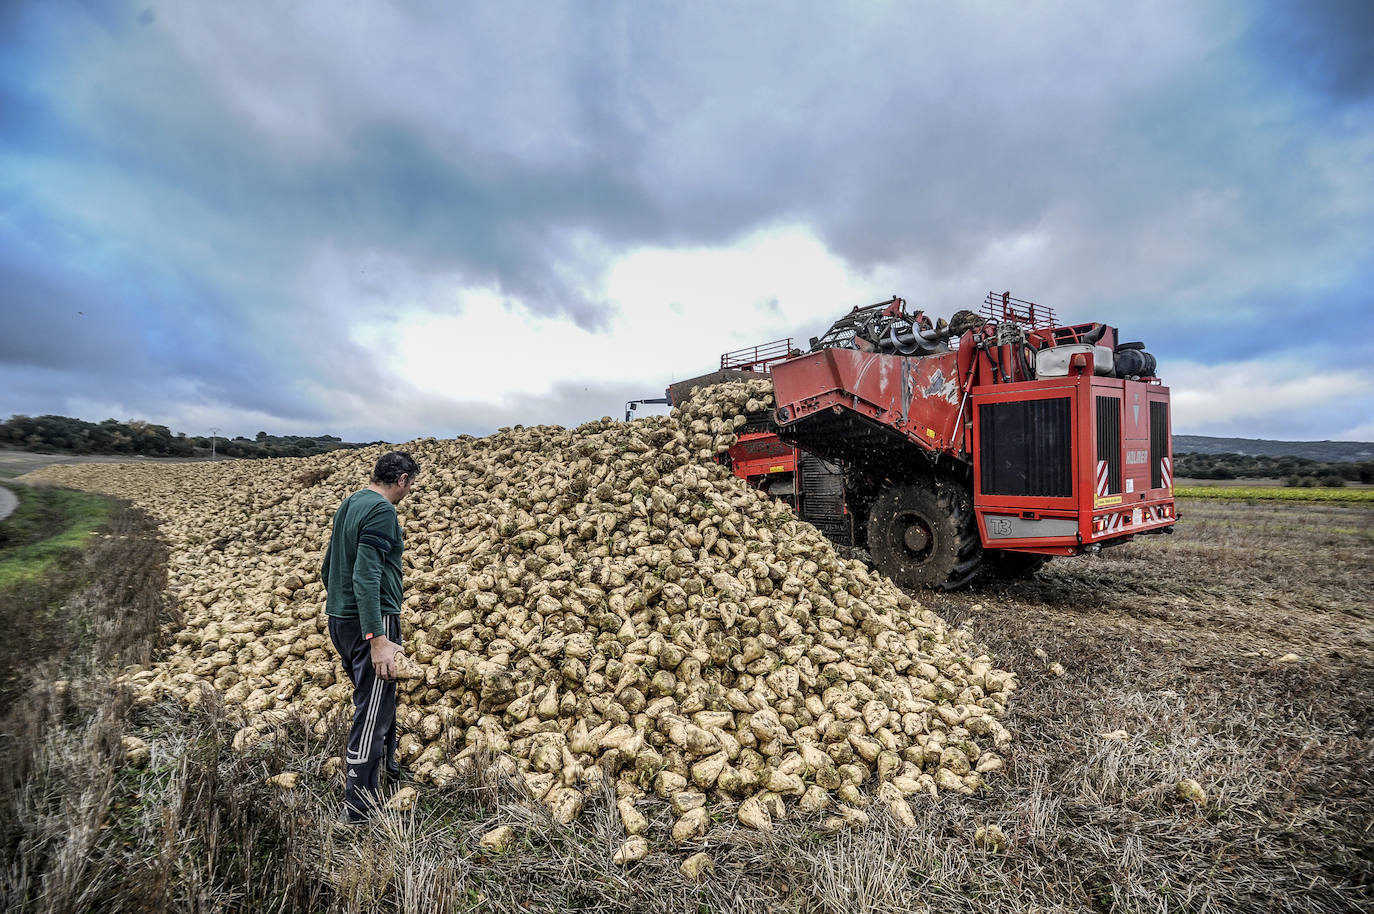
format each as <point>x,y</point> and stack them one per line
<point>362,565</point>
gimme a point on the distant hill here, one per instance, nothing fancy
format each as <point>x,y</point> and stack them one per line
<point>1353,451</point>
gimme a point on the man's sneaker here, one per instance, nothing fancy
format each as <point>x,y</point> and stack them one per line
<point>395,773</point>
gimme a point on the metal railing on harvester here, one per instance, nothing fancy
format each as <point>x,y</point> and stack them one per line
<point>1002,307</point>
<point>757,358</point>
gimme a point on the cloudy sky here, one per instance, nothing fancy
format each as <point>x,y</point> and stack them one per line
<point>386,220</point>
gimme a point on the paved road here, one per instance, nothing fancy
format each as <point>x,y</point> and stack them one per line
<point>7,502</point>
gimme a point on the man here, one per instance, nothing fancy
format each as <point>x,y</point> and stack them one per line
<point>362,575</point>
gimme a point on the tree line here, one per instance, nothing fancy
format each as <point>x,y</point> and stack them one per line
<point>65,435</point>
<point>1294,471</point>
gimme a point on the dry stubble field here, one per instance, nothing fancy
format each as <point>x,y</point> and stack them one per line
<point>1178,647</point>
<point>16,463</point>
<point>1185,643</point>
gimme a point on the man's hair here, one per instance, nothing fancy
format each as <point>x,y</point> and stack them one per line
<point>390,467</point>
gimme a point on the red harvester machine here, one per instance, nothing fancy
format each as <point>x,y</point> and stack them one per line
<point>987,445</point>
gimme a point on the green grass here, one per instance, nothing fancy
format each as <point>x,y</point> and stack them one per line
<point>1274,493</point>
<point>48,525</point>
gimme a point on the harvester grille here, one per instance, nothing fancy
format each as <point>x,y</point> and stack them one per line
<point>1159,442</point>
<point>1109,444</point>
<point>1026,448</point>
<point>823,498</point>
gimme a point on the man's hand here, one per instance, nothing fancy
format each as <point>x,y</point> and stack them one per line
<point>384,657</point>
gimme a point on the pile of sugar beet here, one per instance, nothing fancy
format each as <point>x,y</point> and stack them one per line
<point>604,603</point>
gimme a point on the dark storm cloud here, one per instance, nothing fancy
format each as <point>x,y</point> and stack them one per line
<point>499,227</point>
<point>1328,44</point>
<point>226,193</point>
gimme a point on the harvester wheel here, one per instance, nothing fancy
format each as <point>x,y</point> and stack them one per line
<point>1012,566</point>
<point>923,537</point>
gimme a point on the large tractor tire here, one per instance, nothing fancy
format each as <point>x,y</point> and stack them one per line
<point>924,537</point>
<point>1012,566</point>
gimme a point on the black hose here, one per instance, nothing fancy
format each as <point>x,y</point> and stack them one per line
<point>996,365</point>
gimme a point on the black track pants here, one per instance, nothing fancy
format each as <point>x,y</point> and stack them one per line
<point>373,737</point>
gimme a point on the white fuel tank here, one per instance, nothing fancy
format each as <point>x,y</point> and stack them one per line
<point>1054,362</point>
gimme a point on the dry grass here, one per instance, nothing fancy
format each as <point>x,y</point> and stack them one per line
<point>1176,641</point>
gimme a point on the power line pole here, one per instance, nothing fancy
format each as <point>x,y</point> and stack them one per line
<point>213,433</point>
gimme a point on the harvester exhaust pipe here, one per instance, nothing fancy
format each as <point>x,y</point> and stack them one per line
<point>633,405</point>
<point>1093,335</point>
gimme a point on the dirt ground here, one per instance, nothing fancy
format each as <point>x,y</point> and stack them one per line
<point>1238,579</point>
<point>1239,653</point>
<point>16,463</point>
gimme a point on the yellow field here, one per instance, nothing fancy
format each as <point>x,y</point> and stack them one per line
<point>1274,493</point>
